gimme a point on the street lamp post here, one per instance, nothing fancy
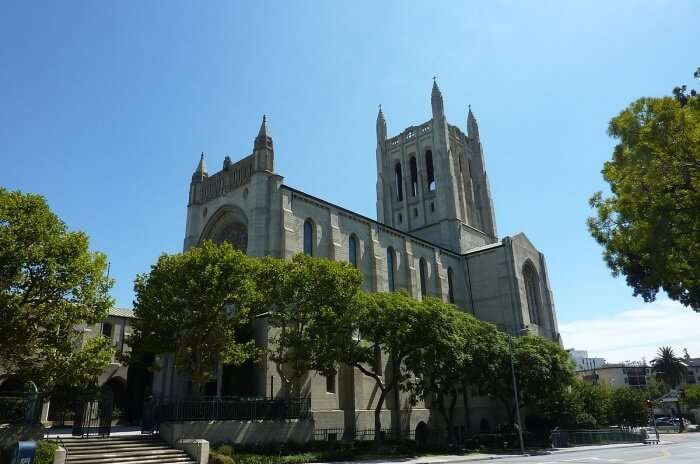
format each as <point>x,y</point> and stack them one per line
<point>515,391</point>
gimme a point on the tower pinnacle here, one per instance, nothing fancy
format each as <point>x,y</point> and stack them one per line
<point>381,125</point>
<point>263,140</point>
<point>201,172</point>
<point>472,126</point>
<point>436,100</point>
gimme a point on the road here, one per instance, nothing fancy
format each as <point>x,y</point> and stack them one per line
<point>683,448</point>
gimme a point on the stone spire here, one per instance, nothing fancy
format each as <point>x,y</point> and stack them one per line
<point>263,140</point>
<point>263,152</point>
<point>436,100</point>
<point>201,172</point>
<point>472,126</point>
<point>381,126</point>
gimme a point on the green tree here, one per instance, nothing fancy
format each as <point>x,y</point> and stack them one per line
<point>390,324</point>
<point>195,305</point>
<point>596,400</point>
<point>628,407</point>
<point>437,369</point>
<point>543,371</point>
<point>313,313</point>
<point>51,285</point>
<point>668,367</point>
<point>649,226</point>
<point>690,396</point>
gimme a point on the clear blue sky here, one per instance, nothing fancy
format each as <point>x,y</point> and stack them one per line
<point>105,107</point>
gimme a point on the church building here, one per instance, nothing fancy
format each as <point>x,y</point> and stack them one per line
<point>435,235</point>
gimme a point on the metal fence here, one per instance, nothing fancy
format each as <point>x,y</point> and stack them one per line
<point>208,409</point>
<point>335,434</point>
<point>565,438</point>
<point>20,408</point>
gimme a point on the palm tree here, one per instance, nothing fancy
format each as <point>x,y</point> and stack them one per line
<point>670,368</point>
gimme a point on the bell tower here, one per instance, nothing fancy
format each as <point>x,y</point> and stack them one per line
<point>431,181</point>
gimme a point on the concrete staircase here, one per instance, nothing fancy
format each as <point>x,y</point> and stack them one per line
<point>132,449</point>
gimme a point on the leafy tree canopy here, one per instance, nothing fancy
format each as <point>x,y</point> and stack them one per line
<point>313,310</point>
<point>649,226</point>
<point>668,367</point>
<point>51,285</point>
<point>196,305</point>
<point>542,368</point>
<point>628,407</point>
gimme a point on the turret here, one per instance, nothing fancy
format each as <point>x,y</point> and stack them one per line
<point>263,150</point>
<point>436,101</point>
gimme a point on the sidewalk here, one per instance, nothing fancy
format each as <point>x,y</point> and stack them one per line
<point>476,457</point>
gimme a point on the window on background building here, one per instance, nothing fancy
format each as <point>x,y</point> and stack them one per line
<point>399,182</point>
<point>352,250</point>
<point>423,277</point>
<point>107,329</point>
<point>430,170</point>
<point>390,268</point>
<point>308,237</point>
<point>414,176</point>
<point>450,288</point>
<point>532,290</point>
<point>330,383</point>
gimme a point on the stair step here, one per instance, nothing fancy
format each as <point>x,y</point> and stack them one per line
<point>122,452</point>
<point>97,459</point>
<point>125,447</point>
<point>157,460</point>
<point>132,449</point>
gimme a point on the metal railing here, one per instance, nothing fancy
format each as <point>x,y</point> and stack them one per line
<point>565,438</point>
<point>209,409</point>
<point>20,408</point>
<point>333,434</point>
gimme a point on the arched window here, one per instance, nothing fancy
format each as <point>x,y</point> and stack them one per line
<point>423,278</point>
<point>450,287</point>
<point>352,250</point>
<point>430,172</point>
<point>532,290</point>
<point>399,182</point>
<point>390,268</point>
<point>308,237</point>
<point>414,176</point>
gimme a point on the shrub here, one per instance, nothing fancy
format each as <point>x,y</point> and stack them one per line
<point>45,451</point>
<point>216,458</point>
<point>226,450</point>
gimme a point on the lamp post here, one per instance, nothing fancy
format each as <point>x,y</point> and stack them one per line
<point>515,390</point>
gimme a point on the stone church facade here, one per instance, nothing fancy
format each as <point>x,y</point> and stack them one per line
<point>435,235</point>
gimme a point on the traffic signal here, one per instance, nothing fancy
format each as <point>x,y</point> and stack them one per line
<point>649,405</point>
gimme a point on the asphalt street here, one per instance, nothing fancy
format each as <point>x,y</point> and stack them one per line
<point>673,449</point>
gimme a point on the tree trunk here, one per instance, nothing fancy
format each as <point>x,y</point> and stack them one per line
<point>465,402</point>
<point>378,416</point>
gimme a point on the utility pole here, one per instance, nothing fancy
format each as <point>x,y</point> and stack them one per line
<point>515,393</point>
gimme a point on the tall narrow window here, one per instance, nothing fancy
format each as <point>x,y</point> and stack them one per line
<point>330,382</point>
<point>352,250</point>
<point>423,278</point>
<point>390,268</point>
<point>429,170</point>
<point>308,237</point>
<point>414,176</point>
<point>450,287</point>
<point>399,182</point>
<point>532,291</point>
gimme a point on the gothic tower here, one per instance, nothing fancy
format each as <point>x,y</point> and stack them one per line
<point>432,182</point>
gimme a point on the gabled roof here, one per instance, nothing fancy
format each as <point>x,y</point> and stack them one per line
<point>122,312</point>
